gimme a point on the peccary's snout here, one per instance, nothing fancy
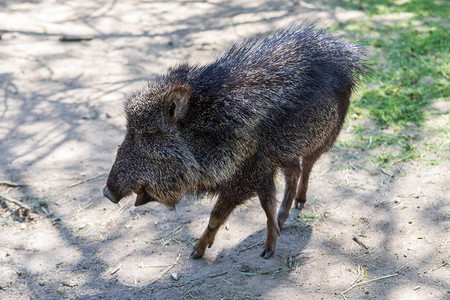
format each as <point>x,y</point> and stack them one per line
<point>108,194</point>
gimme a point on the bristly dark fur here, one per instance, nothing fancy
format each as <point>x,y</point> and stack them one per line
<point>271,102</point>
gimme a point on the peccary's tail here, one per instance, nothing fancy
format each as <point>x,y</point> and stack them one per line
<point>354,69</point>
<point>354,59</point>
<point>347,59</point>
<point>344,63</point>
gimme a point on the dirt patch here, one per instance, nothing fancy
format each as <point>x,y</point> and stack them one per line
<point>61,120</point>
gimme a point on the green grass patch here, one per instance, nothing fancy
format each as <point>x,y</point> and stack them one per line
<point>364,140</point>
<point>407,153</point>
<point>423,8</point>
<point>409,45</point>
<point>413,71</point>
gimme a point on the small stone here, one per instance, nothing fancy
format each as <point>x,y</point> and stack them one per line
<point>174,276</point>
<point>108,116</point>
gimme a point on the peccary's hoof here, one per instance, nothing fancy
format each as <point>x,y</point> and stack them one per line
<point>266,254</point>
<point>195,254</point>
<point>299,205</point>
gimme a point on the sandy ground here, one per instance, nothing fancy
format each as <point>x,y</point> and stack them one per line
<point>61,120</point>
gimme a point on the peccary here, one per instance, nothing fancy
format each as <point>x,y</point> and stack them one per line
<point>272,102</point>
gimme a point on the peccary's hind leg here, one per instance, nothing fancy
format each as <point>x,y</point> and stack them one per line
<point>292,175</point>
<point>223,208</point>
<point>268,202</point>
<point>307,164</point>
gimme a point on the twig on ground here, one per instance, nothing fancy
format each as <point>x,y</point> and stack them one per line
<point>45,211</point>
<point>360,272</point>
<point>445,263</point>
<point>86,206</point>
<point>270,272</point>
<point>376,279</point>
<point>167,269</point>
<point>360,243</point>
<point>116,269</point>
<point>25,249</point>
<point>16,202</point>
<point>121,210</point>
<point>355,284</point>
<point>66,38</point>
<point>249,247</point>
<point>353,166</point>
<point>86,180</point>
<point>152,266</point>
<point>11,184</point>
<point>370,142</point>
<point>218,274</point>
<point>386,173</point>
<point>192,282</point>
<point>67,284</point>
<point>374,249</point>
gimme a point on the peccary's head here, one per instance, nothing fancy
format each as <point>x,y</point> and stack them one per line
<point>154,161</point>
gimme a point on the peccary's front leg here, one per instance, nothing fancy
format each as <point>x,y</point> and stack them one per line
<point>268,201</point>
<point>223,208</point>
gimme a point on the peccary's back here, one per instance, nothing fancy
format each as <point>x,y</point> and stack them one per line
<point>285,94</point>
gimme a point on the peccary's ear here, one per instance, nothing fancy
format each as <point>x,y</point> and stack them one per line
<point>178,96</point>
